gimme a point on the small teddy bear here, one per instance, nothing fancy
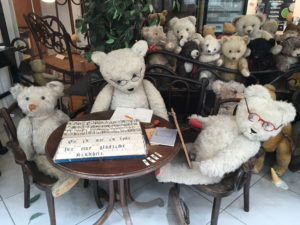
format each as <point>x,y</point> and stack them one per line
<point>289,55</point>
<point>233,50</point>
<point>282,143</point>
<point>209,30</point>
<point>210,53</point>
<point>38,66</point>
<point>250,25</point>
<point>189,50</point>
<point>162,17</point>
<point>124,71</point>
<point>226,90</point>
<point>75,39</point>
<point>41,119</point>
<point>226,142</point>
<point>157,40</point>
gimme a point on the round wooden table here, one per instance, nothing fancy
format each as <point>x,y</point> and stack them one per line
<point>115,170</point>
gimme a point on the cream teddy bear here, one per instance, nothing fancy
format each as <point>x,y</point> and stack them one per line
<point>226,141</point>
<point>210,53</point>
<point>124,70</point>
<point>38,104</point>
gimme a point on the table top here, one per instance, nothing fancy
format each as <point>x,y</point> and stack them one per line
<point>112,169</point>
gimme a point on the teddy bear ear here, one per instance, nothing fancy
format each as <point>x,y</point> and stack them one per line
<point>197,41</point>
<point>217,86</point>
<point>261,17</point>
<point>257,90</point>
<point>246,39</point>
<point>288,111</point>
<point>16,90</point>
<point>173,21</point>
<point>236,19</point>
<point>224,39</point>
<point>140,47</point>
<point>164,12</point>
<point>192,19</point>
<point>97,57</point>
<point>56,87</point>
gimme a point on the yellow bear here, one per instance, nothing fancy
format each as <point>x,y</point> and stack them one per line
<point>162,17</point>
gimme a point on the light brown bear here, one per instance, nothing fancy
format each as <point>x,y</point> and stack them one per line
<point>209,30</point>
<point>282,143</point>
<point>162,17</point>
<point>233,50</point>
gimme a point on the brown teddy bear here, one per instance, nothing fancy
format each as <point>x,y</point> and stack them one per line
<point>282,143</point>
<point>38,66</point>
<point>233,50</point>
<point>294,81</point>
<point>162,17</point>
<point>228,28</point>
<point>209,30</point>
<point>75,39</point>
<point>289,55</point>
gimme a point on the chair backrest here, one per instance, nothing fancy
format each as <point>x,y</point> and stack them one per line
<point>48,31</point>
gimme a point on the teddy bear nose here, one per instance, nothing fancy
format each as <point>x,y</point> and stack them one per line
<point>208,51</point>
<point>253,131</point>
<point>248,31</point>
<point>32,107</point>
<point>181,36</point>
<point>233,58</point>
<point>298,54</point>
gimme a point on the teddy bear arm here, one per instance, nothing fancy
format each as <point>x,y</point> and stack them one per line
<point>61,117</point>
<point>282,63</point>
<point>50,76</point>
<point>24,134</point>
<point>243,67</point>
<point>155,100</point>
<point>283,156</point>
<point>103,100</point>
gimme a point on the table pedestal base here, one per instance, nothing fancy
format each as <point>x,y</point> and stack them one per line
<point>124,195</point>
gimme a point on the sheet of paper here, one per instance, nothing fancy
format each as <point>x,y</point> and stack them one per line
<point>143,115</point>
<point>164,136</point>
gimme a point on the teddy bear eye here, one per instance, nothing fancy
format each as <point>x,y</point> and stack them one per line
<point>27,98</point>
<point>178,32</point>
<point>253,25</point>
<point>207,45</point>
<point>187,29</point>
<point>215,49</point>
<point>156,33</point>
<point>43,97</point>
<point>238,51</point>
<point>230,51</point>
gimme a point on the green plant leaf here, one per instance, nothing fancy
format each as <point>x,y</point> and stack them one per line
<point>145,9</point>
<point>132,12</point>
<point>110,41</point>
<point>115,14</point>
<point>34,216</point>
<point>178,5</point>
<point>174,4</point>
<point>35,198</point>
<point>151,8</point>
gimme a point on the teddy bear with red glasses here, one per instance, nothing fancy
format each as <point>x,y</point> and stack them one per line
<point>226,141</point>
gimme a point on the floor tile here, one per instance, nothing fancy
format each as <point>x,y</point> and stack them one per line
<point>113,219</point>
<point>227,219</point>
<point>269,204</point>
<point>5,218</point>
<point>70,208</point>
<point>292,180</point>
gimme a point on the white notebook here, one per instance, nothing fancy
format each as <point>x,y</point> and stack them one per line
<point>140,114</point>
<point>163,136</point>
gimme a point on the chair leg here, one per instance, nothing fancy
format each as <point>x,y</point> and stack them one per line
<point>26,189</point>
<point>50,203</point>
<point>215,211</point>
<point>247,192</point>
<point>85,183</point>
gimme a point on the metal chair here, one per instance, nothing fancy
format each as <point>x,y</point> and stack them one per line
<point>59,41</point>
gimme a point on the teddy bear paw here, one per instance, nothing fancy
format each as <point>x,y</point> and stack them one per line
<point>245,72</point>
<point>62,187</point>
<point>219,62</point>
<point>279,170</point>
<point>182,42</point>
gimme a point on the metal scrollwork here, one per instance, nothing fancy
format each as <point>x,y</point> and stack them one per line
<point>75,2</point>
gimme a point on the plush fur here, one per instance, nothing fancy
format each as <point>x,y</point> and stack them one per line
<point>209,30</point>
<point>226,90</point>
<point>226,142</point>
<point>210,53</point>
<point>233,50</point>
<point>294,81</point>
<point>250,25</point>
<point>289,55</point>
<point>228,28</point>
<point>38,104</point>
<point>75,39</point>
<point>270,26</point>
<point>155,36</point>
<point>261,57</point>
<point>38,67</point>
<point>124,70</point>
<point>162,17</point>
<point>189,50</point>
<point>282,143</point>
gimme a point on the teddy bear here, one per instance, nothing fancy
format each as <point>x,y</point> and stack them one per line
<point>162,17</point>
<point>182,30</point>
<point>289,55</point>
<point>38,67</point>
<point>41,119</point>
<point>233,51</point>
<point>209,30</point>
<point>124,70</point>
<point>157,40</point>
<point>210,53</point>
<point>294,81</point>
<point>226,90</point>
<point>250,25</point>
<point>75,39</point>
<point>189,50</point>
<point>271,26</point>
<point>282,143</point>
<point>228,30</point>
<point>226,141</point>
<point>261,57</point>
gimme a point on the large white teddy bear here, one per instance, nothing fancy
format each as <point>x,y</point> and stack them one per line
<point>124,70</point>
<point>42,118</point>
<point>226,142</point>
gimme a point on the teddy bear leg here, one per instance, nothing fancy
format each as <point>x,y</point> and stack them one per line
<point>65,181</point>
<point>259,164</point>
<point>283,156</point>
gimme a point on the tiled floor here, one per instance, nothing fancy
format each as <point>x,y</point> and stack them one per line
<point>268,204</point>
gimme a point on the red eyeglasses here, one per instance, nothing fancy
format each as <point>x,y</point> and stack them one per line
<point>253,117</point>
